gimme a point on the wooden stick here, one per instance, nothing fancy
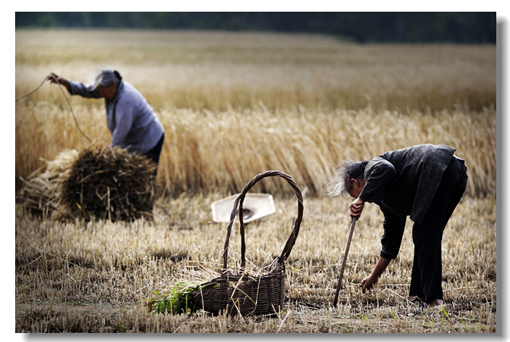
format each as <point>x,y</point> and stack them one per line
<point>344,261</point>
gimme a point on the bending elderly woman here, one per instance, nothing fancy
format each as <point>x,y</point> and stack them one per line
<point>425,182</point>
<point>130,119</point>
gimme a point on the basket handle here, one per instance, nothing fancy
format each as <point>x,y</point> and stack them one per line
<point>239,203</point>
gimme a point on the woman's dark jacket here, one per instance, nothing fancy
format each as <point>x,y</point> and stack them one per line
<point>402,183</point>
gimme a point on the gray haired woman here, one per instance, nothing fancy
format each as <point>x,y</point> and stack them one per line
<point>130,119</point>
<point>425,182</point>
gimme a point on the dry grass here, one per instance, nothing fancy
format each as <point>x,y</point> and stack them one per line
<point>233,105</point>
<point>94,277</point>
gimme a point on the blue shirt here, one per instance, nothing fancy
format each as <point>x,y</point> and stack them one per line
<point>129,117</point>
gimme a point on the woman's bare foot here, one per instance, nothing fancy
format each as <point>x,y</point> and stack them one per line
<point>434,302</point>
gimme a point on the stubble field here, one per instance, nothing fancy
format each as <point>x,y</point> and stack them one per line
<point>234,105</point>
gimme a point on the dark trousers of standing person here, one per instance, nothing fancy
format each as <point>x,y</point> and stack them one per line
<point>154,153</point>
<point>427,236</point>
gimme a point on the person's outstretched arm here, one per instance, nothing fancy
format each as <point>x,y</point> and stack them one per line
<point>74,88</point>
<point>381,265</point>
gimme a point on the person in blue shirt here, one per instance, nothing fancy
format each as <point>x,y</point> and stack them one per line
<point>130,119</point>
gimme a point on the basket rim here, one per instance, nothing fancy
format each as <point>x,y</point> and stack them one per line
<point>239,204</point>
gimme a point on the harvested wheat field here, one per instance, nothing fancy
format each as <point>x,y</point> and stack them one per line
<point>234,105</point>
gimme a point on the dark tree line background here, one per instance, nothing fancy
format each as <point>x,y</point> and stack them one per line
<point>397,27</point>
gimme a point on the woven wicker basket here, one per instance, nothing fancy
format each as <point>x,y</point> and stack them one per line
<point>243,293</point>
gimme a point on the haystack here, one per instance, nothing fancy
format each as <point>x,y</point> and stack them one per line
<point>101,182</point>
<point>42,191</point>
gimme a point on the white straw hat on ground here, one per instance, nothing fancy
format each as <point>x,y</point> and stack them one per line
<point>255,206</point>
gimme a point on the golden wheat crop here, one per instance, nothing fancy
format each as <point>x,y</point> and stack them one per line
<point>234,105</point>
<point>209,151</point>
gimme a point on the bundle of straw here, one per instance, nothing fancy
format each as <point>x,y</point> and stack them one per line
<point>110,183</point>
<point>42,191</point>
<point>101,182</point>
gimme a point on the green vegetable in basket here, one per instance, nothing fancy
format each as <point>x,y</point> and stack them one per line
<point>179,300</point>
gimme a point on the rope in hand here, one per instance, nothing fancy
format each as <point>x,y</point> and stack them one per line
<point>68,103</point>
